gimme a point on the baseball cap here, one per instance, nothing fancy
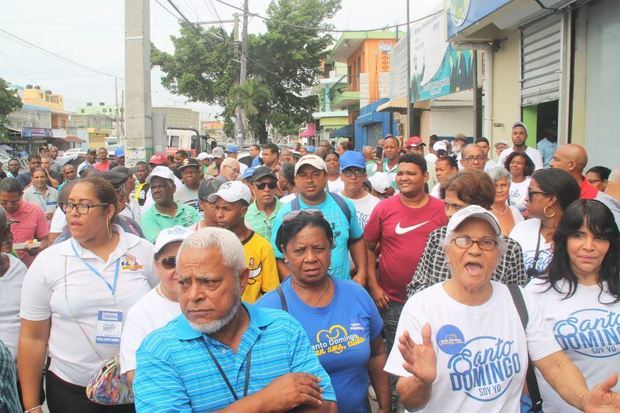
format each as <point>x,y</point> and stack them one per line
<point>519,123</point>
<point>380,182</point>
<point>158,159</point>
<point>92,150</point>
<point>312,160</point>
<point>217,152</point>
<point>496,144</point>
<point>116,178</point>
<point>189,162</point>
<point>119,152</point>
<point>168,235</point>
<point>440,146</point>
<point>460,136</point>
<point>472,211</point>
<point>207,188</point>
<point>414,141</point>
<point>311,149</point>
<point>352,159</point>
<point>261,172</point>
<point>202,156</point>
<point>231,149</point>
<point>232,191</point>
<point>161,172</point>
<point>247,174</point>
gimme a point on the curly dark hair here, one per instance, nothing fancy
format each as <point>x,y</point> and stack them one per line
<point>529,164</point>
<point>600,221</point>
<point>291,227</point>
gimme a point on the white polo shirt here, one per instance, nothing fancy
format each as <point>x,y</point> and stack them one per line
<point>44,297</point>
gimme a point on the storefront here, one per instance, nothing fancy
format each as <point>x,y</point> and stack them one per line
<point>372,125</point>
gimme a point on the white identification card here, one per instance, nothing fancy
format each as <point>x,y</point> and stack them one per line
<point>109,327</point>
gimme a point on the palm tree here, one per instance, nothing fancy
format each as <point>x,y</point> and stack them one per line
<point>247,98</point>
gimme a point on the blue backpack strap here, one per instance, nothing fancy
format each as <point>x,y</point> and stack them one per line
<point>343,206</point>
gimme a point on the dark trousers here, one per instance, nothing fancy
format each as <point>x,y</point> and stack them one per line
<point>390,316</point>
<point>63,397</point>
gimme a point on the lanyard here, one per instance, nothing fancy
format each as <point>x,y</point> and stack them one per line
<point>112,287</point>
<point>221,371</point>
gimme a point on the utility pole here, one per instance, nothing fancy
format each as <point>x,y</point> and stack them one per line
<point>407,131</point>
<point>243,72</point>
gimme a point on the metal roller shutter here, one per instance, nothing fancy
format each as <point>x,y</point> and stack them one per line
<point>374,133</point>
<point>541,61</point>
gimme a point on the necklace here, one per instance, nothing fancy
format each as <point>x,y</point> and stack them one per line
<point>162,293</point>
<point>500,212</point>
<point>321,294</point>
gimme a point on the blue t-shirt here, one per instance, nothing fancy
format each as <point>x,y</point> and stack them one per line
<point>340,334</point>
<point>340,264</point>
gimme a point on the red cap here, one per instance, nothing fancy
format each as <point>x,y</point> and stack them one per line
<point>414,141</point>
<point>159,159</point>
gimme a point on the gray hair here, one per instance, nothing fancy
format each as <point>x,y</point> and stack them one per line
<point>498,173</point>
<point>224,240</point>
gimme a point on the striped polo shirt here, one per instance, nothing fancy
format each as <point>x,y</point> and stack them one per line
<point>176,373</point>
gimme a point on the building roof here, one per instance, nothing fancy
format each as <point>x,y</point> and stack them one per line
<point>351,41</point>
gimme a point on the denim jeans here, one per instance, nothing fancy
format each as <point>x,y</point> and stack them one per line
<point>390,316</point>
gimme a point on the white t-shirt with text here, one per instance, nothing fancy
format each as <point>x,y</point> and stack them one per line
<point>481,358</point>
<point>587,331</point>
<point>518,194</point>
<point>364,207</point>
<point>527,234</point>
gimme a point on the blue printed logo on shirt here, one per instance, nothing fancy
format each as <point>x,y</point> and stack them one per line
<point>592,332</point>
<point>483,367</point>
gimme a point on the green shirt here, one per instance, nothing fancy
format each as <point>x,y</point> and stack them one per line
<point>154,221</point>
<point>257,220</point>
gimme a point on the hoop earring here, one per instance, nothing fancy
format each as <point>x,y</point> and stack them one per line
<point>545,212</point>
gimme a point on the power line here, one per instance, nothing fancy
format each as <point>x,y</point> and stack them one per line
<point>196,28</point>
<point>209,2</point>
<point>168,10</point>
<point>17,67</point>
<point>321,29</point>
<point>57,55</point>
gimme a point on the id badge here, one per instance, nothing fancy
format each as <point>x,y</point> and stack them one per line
<point>109,327</point>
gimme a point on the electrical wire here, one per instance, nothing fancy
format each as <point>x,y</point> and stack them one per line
<point>217,15</point>
<point>65,59</point>
<point>192,25</point>
<point>321,29</point>
<point>17,67</point>
<point>168,10</point>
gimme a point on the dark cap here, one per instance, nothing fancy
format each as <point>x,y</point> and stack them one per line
<point>116,178</point>
<point>189,162</point>
<point>263,171</point>
<point>208,187</point>
<point>92,150</point>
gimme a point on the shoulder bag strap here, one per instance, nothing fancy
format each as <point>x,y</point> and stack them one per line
<point>530,377</point>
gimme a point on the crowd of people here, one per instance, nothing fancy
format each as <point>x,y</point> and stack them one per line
<point>314,278</point>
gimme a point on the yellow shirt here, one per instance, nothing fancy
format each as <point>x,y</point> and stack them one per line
<point>261,261</point>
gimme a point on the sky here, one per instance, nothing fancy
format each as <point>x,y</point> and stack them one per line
<point>91,33</point>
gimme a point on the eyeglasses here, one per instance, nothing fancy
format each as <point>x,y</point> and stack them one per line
<point>294,214</point>
<point>475,158</point>
<point>358,173</point>
<point>168,263</point>
<point>531,193</point>
<point>82,209</point>
<point>485,244</point>
<point>262,185</point>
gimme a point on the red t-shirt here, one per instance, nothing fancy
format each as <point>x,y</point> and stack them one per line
<point>587,190</point>
<point>102,166</point>
<point>402,233</point>
<point>31,224</point>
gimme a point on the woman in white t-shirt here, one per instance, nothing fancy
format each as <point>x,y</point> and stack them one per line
<point>580,297</point>
<point>507,215</point>
<point>334,183</point>
<point>160,305</point>
<point>521,169</point>
<point>455,354</point>
<point>550,192</point>
<point>74,299</point>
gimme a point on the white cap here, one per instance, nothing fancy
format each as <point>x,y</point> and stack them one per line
<point>169,235</point>
<point>472,211</point>
<point>440,145</point>
<point>521,124</point>
<point>162,172</point>
<point>217,152</point>
<point>232,191</point>
<point>380,182</point>
<point>202,156</point>
<point>312,160</point>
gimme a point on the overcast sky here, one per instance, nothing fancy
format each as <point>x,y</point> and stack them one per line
<point>92,33</point>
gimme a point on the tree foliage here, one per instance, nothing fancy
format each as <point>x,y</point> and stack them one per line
<point>9,102</point>
<point>285,59</point>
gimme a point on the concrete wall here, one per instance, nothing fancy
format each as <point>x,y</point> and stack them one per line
<point>578,126</point>
<point>180,117</point>
<point>506,87</point>
<point>447,122</point>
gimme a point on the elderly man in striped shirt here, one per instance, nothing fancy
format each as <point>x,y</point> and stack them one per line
<point>222,354</point>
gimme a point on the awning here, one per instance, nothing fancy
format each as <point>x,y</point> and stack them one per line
<point>70,139</point>
<point>344,132</point>
<point>394,105</point>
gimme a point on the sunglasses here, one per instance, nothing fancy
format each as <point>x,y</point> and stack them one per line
<point>168,263</point>
<point>262,185</point>
<point>289,216</point>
